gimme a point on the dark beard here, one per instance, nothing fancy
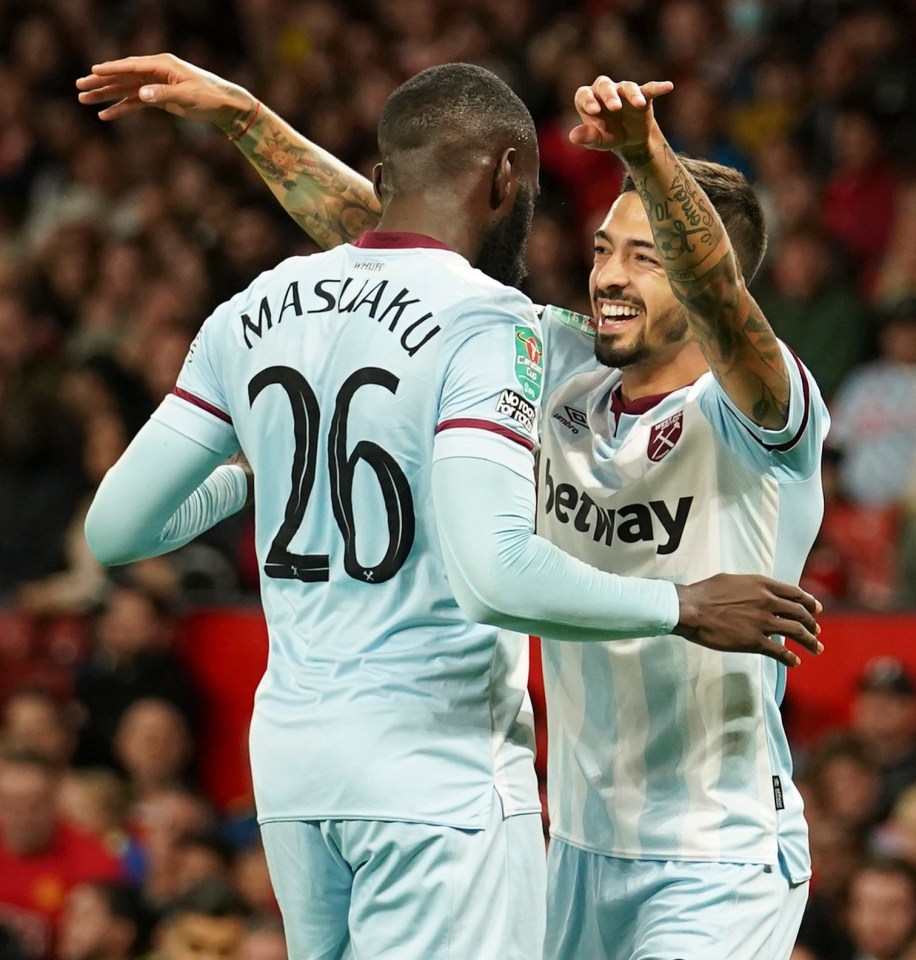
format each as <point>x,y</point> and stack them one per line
<point>610,355</point>
<point>502,253</point>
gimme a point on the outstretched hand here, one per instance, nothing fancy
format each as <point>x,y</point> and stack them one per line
<point>742,612</point>
<point>164,81</point>
<point>616,115</point>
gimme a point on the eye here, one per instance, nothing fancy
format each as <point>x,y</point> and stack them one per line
<point>645,258</point>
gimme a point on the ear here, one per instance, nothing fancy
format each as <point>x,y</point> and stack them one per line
<point>505,177</point>
<point>377,174</point>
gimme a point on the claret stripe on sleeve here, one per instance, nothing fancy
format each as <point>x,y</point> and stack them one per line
<point>190,398</point>
<point>787,445</point>
<point>486,425</point>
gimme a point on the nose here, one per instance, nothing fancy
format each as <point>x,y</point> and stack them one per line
<point>611,273</point>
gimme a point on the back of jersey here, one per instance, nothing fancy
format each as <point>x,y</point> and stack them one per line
<point>343,376</point>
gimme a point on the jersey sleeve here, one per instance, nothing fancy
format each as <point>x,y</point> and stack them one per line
<point>794,450</point>
<point>198,406</point>
<point>569,346</point>
<point>492,379</point>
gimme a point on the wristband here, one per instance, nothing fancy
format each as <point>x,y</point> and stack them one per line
<point>251,120</point>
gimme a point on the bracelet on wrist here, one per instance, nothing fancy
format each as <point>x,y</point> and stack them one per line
<point>254,115</point>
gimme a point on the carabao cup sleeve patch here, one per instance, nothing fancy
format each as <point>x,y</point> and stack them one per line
<point>529,361</point>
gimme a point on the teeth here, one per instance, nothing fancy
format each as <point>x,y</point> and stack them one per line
<point>613,310</point>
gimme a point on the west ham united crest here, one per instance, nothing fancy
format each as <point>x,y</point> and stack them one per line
<point>664,435</point>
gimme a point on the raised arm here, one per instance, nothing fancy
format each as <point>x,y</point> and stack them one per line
<point>332,203</point>
<point>693,246</point>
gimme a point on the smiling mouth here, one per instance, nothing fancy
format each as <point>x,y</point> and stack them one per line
<point>613,316</point>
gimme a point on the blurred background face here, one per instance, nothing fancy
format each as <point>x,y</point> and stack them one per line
<point>35,721</point>
<point>882,914</point>
<point>152,742</point>
<point>197,937</point>
<point>89,930</point>
<point>264,944</point>
<point>129,624</point>
<point>28,807</point>
<point>898,341</point>
<point>881,716</point>
<point>802,267</point>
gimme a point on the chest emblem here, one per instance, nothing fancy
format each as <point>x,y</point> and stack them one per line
<point>664,435</point>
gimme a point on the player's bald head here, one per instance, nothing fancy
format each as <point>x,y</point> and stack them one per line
<point>440,122</point>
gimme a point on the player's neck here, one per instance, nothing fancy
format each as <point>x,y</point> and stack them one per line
<point>675,371</point>
<point>453,231</point>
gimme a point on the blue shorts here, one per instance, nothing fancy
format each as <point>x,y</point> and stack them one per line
<point>615,909</point>
<point>405,891</point>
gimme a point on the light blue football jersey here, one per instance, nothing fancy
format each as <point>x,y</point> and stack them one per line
<point>344,376</point>
<point>659,748</point>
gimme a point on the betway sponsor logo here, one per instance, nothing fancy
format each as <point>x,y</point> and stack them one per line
<point>633,523</point>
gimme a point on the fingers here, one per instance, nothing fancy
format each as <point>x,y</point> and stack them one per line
<point>790,591</point>
<point>656,88</point>
<point>111,91</point>
<point>775,650</point>
<point>792,630</point>
<point>607,94</point>
<point>157,65</point>
<point>121,108</point>
<point>797,612</point>
<point>585,135</point>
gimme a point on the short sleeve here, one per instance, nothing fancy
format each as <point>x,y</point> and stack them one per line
<point>198,407</point>
<point>793,450</point>
<point>491,388</point>
<point>569,345</point>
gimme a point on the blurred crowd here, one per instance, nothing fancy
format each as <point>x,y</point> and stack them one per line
<point>117,240</point>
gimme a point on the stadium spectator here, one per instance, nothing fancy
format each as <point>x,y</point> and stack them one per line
<point>207,920</point>
<point>860,194</point>
<point>153,747</point>
<point>264,939</point>
<point>41,856</point>
<point>844,781</point>
<point>813,308</point>
<point>158,824</point>
<point>97,801</point>
<point>35,719</point>
<point>882,909</point>
<point>202,854</point>
<point>874,415</point>
<point>884,718</point>
<point>103,921</point>
<point>132,660</point>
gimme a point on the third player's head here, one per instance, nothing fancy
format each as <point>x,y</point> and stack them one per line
<point>457,142</point>
<point>640,321</point>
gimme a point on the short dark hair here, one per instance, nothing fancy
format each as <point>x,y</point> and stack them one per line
<point>210,839</point>
<point>737,206</point>
<point>211,897</point>
<point>458,106</point>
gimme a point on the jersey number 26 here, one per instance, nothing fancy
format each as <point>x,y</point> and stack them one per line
<point>281,563</point>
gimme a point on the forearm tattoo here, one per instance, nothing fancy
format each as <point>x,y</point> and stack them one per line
<point>330,203</point>
<point>697,256</point>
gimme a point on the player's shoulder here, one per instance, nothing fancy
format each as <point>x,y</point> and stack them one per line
<point>485,301</point>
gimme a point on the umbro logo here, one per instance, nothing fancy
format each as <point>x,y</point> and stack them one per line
<point>577,416</point>
<point>572,419</point>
